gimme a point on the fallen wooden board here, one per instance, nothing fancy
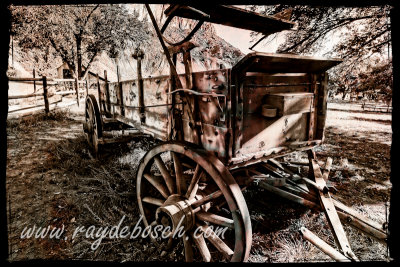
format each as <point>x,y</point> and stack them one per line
<point>331,214</point>
<point>323,246</point>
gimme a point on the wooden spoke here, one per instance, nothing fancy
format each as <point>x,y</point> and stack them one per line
<point>157,182</point>
<point>214,218</point>
<point>154,201</point>
<point>216,241</point>
<point>192,190</point>
<point>165,173</point>
<point>201,244</point>
<point>187,242</point>
<point>180,181</point>
<point>187,165</point>
<point>206,199</point>
<point>220,186</point>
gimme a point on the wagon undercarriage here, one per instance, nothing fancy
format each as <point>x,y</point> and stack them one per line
<point>223,131</point>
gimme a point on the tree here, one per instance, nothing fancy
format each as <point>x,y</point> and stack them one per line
<point>78,34</point>
<point>377,82</point>
<point>360,36</point>
<point>362,30</point>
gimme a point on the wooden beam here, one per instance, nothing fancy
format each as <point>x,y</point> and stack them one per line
<point>15,79</point>
<point>328,166</point>
<point>36,106</point>
<point>323,246</point>
<point>24,96</point>
<point>331,214</point>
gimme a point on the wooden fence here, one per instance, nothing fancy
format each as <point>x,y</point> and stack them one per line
<point>376,107</point>
<point>74,84</point>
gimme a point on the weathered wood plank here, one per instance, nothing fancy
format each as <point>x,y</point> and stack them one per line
<point>24,96</point>
<point>232,16</point>
<point>331,214</point>
<point>323,246</point>
<point>290,103</point>
<point>24,79</point>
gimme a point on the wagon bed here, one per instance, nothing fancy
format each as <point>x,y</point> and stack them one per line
<point>221,131</point>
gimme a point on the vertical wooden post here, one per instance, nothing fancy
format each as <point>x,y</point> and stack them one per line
<point>12,49</point>
<point>107,92</point>
<point>77,90</point>
<point>322,106</point>
<point>87,86</point>
<point>138,55</point>
<point>121,95</point>
<point>312,123</point>
<point>34,82</point>
<point>99,93</point>
<point>187,61</point>
<point>45,96</point>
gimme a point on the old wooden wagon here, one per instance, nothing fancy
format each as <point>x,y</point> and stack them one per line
<point>221,131</point>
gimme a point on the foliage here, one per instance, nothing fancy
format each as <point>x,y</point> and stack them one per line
<point>377,82</point>
<point>360,36</point>
<point>78,34</point>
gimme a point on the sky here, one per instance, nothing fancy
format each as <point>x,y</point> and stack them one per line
<point>241,39</point>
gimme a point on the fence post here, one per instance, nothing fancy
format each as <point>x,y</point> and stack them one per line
<point>77,90</point>
<point>45,96</point>
<point>34,82</point>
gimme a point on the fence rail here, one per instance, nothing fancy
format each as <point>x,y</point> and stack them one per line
<point>47,82</point>
<point>376,107</point>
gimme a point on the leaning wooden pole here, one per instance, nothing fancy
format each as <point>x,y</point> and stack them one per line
<point>166,51</point>
<point>168,55</point>
<point>323,246</point>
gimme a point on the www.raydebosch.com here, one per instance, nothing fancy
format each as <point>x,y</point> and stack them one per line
<point>97,234</point>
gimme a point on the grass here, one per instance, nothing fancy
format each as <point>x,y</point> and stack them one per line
<point>67,185</point>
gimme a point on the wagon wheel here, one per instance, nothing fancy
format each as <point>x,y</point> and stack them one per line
<point>170,18</point>
<point>92,126</point>
<point>180,187</point>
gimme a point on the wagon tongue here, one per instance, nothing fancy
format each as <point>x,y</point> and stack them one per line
<point>231,16</point>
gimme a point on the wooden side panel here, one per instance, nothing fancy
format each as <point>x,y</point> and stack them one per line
<point>260,133</point>
<point>155,101</point>
<point>210,113</point>
<point>290,93</point>
<point>103,97</point>
<point>257,96</point>
<point>259,79</point>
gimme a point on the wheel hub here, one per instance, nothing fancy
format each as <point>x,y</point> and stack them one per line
<point>176,213</point>
<point>88,127</point>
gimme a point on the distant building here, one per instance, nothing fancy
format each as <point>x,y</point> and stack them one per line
<point>63,72</point>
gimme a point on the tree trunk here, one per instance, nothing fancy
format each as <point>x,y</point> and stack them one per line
<point>79,54</point>
<point>344,95</point>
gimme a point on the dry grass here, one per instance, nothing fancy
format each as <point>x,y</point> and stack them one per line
<point>76,189</point>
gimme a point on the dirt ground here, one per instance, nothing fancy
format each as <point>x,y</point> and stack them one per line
<point>52,179</point>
